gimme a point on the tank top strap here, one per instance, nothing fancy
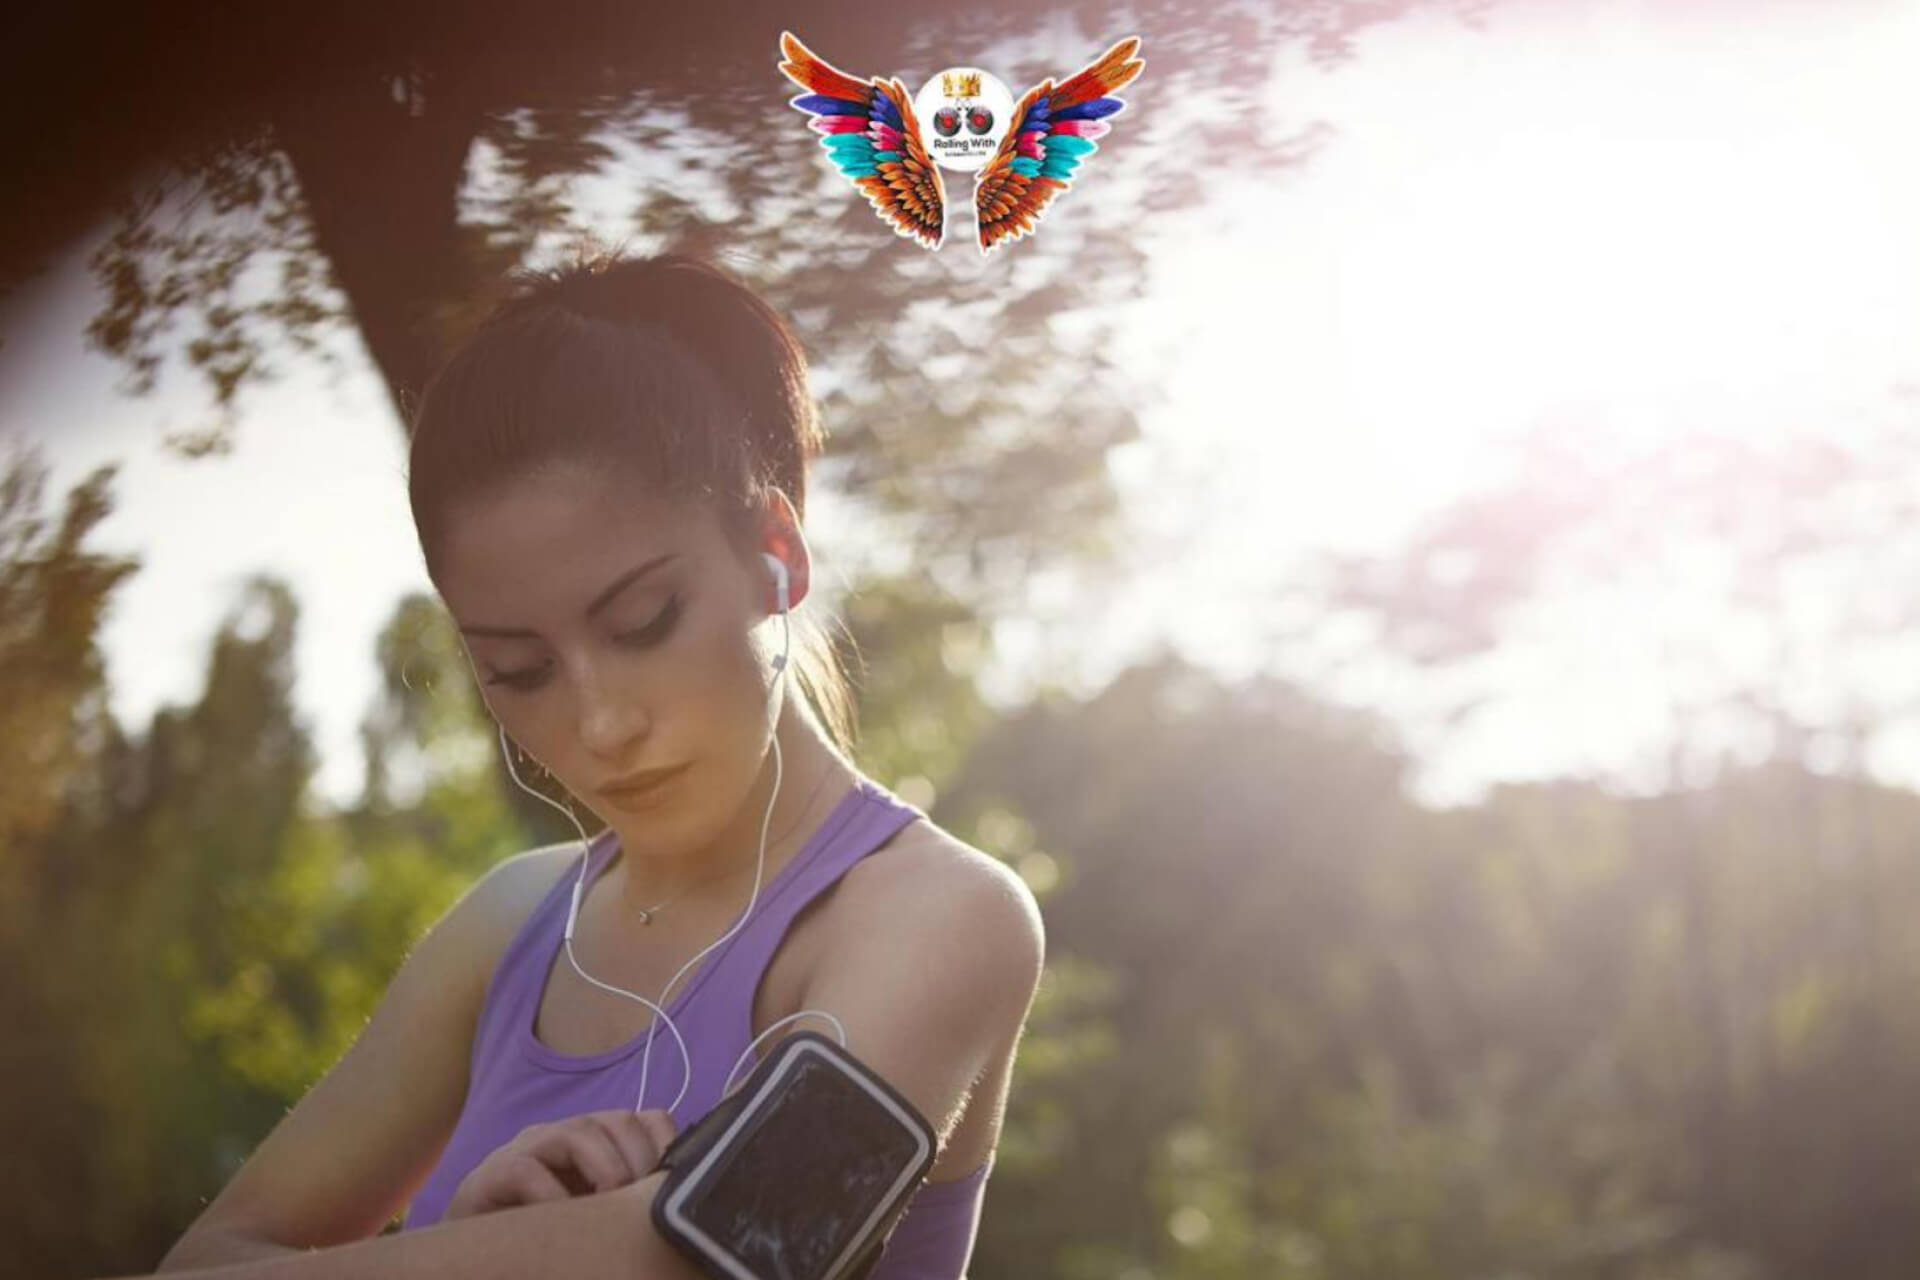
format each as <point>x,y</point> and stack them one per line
<point>860,829</point>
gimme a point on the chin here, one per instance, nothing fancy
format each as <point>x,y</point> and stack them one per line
<point>686,812</point>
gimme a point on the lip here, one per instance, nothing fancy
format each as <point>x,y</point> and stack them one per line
<point>641,784</point>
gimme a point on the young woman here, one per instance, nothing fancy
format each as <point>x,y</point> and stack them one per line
<point>599,477</point>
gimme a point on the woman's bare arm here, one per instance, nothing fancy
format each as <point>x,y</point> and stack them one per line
<point>218,1246</point>
<point>938,975</point>
<point>609,1236</point>
<point>349,1155</point>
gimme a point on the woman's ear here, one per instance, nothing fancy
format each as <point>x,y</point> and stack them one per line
<point>782,537</point>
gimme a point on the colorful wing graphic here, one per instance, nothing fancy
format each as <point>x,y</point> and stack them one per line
<point>867,126</point>
<point>1053,129</point>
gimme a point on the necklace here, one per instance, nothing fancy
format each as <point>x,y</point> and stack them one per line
<point>647,914</point>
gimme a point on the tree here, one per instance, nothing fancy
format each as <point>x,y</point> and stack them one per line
<point>1296,1025</point>
<point>54,593</point>
<point>380,170</point>
<point>53,598</point>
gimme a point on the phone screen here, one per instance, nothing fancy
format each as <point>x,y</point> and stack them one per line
<point>805,1175</point>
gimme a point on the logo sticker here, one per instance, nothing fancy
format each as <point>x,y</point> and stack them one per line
<point>969,109</point>
<point>1023,153</point>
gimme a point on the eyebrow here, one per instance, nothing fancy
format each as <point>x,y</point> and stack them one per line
<point>600,601</point>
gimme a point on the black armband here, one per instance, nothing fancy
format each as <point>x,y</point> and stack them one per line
<point>800,1173</point>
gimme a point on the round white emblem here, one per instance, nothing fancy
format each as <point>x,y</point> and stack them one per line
<point>964,112</point>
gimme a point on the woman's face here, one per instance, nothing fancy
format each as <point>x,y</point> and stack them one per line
<point>615,631</point>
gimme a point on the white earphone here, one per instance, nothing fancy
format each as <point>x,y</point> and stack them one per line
<point>778,569</point>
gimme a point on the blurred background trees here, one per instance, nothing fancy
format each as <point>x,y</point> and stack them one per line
<point>1294,1024</point>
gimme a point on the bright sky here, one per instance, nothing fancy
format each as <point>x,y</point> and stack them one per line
<point>1649,217</point>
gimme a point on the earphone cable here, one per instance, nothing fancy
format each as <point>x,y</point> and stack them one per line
<point>660,1014</point>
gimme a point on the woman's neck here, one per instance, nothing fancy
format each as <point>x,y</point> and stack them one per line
<point>813,778</point>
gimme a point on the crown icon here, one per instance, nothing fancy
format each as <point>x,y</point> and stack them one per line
<point>964,85</point>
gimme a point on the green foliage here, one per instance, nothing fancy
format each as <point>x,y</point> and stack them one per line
<point>194,946</point>
<point>917,651</point>
<point>1292,1025</point>
<point>1564,1034</point>
<point>53,595</point>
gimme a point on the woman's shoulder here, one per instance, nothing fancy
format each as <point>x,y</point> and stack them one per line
<point>497,906</point>
<point>927,885</point>
<point>925,859</point>
<point>516,884</point>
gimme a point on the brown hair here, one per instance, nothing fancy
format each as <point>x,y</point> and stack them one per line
<point>666,367</point>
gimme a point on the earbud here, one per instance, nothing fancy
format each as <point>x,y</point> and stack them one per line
<point>777,567</point>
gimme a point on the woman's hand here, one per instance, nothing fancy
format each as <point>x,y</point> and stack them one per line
<point>580,1155</point>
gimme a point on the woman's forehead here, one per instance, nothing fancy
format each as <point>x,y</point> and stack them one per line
<point>533,546</point>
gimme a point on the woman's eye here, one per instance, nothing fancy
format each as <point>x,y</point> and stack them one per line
<point>645,637</point>
<point>655,631</point>
<point>518,679</point>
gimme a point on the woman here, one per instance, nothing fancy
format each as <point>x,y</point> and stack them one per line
<point>598,478</point>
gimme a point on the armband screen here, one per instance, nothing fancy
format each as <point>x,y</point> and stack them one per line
<point>801,1174</point>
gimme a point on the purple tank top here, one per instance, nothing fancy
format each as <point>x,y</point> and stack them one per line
<point>515,1081</point>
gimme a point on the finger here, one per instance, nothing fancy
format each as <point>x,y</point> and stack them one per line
<point>523,1180</point>
<point>587,1149</point>
<point>660,1131</point>
<point>642,1136</point>
<point>610,1167</point>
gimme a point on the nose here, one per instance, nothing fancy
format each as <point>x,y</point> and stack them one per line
<point>614,717</point>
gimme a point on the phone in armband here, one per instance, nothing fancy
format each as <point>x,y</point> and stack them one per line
<point>800,1173</point>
